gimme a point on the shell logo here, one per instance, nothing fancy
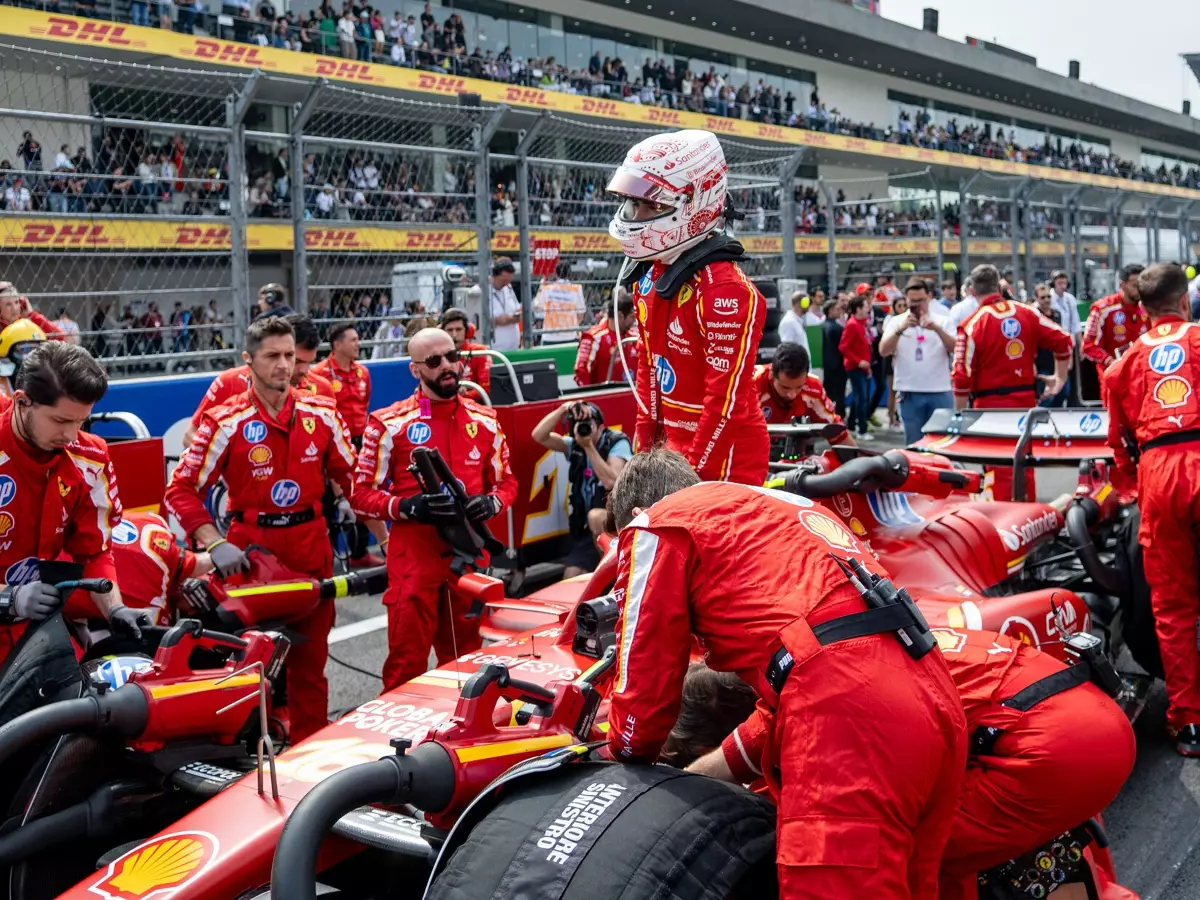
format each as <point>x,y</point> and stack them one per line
<point>6,524</point>
<point>158,867</point>
<point>260,455</point>
<point>1172,391</point>
<point>1013,349</point>
<point>831,532</point>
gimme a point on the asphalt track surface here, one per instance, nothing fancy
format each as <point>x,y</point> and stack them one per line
<point>1154,825</point>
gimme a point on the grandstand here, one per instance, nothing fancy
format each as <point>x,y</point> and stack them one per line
<point>367,158</point>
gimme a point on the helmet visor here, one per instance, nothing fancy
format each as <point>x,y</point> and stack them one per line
<point>645,197</point>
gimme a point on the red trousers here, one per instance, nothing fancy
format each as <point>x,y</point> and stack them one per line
<point>1059,765</point>
<point>1169,499</point>
<point>422,613</point>
<point>870,749</point>
<point>1001,477</point>
<point>305,550</point>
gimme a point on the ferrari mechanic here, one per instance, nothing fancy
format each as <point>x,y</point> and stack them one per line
<point>596,361</point>
<point>1115,321</point>
<point>866,789</point>
<point>235,381</point>
<point>995,359</point>
<point>58,491</point>
<point>1154,430</point>
<point>787,390</point>
<point>421,610</point>
<point>477,367</point>
<point>1033,728</point>
<point>700,318</point>
<point>275,446</point>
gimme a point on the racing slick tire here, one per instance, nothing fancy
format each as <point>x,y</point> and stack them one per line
<point>594,831</point>
<point>1138,613</point>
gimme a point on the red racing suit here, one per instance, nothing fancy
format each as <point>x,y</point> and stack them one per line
<point>351,391</point>
<point>233,382</point>
<point>1155,408</point>
<point>695,372</point>
<point>1078,737</point>
<point>1112,325</point>
<point>995,364</point>
<point>53,504</point>
<point>478,367</point>
<point>150,566</point>
<point>812,402</point>
<point>866,790</point>
<point>470,440</point>
<point>275,470</point>
<point>595,363</point>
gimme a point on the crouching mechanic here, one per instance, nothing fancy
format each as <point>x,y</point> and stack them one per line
<point>58,491</point>
<point>154,571</point>
<point>275,446</point>
<point>788,390</point>
<point>700,319</point>
<point>869,743</point>
<point>1033,729</point>
<point>421,610</point>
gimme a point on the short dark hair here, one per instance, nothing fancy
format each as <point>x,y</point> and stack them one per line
<point>714,704</point>
<point>790,360</point>
<point>916,283</point>
<point>985,280</point>
<point>54,369</point>
<point>305,331</point>
<point>1057,274</point>
<point>336,332</point>
<point>624,305</point>
<point>646,479</point>
<point>1161,286</point>
<point>1131,271</point>
<point>562,269</point>
<point>950,283</point>
<point>857,303</point>
<point>261,329</point>
<point>453,314</point>
<point>829,306</point>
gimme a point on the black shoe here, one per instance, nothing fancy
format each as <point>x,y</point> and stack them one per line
<point>1187,741</point>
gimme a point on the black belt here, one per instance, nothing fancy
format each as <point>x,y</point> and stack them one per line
<point>983,741</point>
<point>1014,389</point>
<point>844,628</point>
<point>277,520</point>
<point>1166,440</point>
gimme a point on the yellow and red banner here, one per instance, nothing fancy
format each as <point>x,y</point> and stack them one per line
<point>159,235</point>
<point>23,23</point>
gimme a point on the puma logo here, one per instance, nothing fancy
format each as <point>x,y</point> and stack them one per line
<point>1177,421</point>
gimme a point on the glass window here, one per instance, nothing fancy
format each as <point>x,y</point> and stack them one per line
<point>523,37</point>
<point>470,29</point>
<point>606,49</point>
<point>632,56</point>
<point>552,43</point>
<point>493,33</point>
<point>579,51</point>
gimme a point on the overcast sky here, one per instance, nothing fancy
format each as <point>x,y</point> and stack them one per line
<point>1132,48</point>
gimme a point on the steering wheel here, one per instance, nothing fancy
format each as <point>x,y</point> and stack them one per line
<point>123,645</point>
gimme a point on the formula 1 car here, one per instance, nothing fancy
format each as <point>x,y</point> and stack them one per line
<point>532,702</point>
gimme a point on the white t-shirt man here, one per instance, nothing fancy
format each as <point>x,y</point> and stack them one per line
<point>505,303</point>
<point>921,363</point>
<point>1068,309</point>
<point>962,310</point>
<point>791,330</point>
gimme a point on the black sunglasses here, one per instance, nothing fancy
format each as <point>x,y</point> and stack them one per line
<point>451,356</point>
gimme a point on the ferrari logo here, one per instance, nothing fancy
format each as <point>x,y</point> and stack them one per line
<point>63,489</point>
<point>472,429</point>
<point>310,425</point>
<point>161,543</point>
<point>685,295</point>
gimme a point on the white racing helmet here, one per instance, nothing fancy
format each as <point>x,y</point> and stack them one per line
<point>674,188</point>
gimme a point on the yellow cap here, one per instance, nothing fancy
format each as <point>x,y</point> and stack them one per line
<point>12,339</point>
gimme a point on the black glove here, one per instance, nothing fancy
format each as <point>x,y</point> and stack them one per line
<point>482,507</point>
<point>126,622</point>
<point>228,558</point>
<point>194,598</point>
<point>429,509</point>
<point>36,601</point>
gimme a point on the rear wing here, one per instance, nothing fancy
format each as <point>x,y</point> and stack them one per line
<point>1016,437</point>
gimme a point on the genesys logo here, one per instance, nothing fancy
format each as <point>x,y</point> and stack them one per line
<point>726,306</point>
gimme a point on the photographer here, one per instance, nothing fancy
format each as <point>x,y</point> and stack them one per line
<point>596,456</point>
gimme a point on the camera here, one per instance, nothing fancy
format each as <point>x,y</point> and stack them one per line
<point>579,419</point>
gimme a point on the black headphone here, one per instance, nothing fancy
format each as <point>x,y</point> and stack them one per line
<point>505,266</point>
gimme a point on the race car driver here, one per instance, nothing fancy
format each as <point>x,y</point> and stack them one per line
<point>1115,322</point>
<point>1154,430</point>
<point>477,367</point>
<point>869,745</point>
<point>275,446</point>
<point>700,318</point>
<point>787,390</point>
<point>1029,736</point>
<point>595,362</point>
<point>58,491</point>
<point>421,611</point>
<point>236,381</point>
<point>995,360</point>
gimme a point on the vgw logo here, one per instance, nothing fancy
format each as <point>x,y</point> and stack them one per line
<point>285,493</point>
<point>1167,359</point>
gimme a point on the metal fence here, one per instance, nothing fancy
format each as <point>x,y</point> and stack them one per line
<point>148,203</point>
